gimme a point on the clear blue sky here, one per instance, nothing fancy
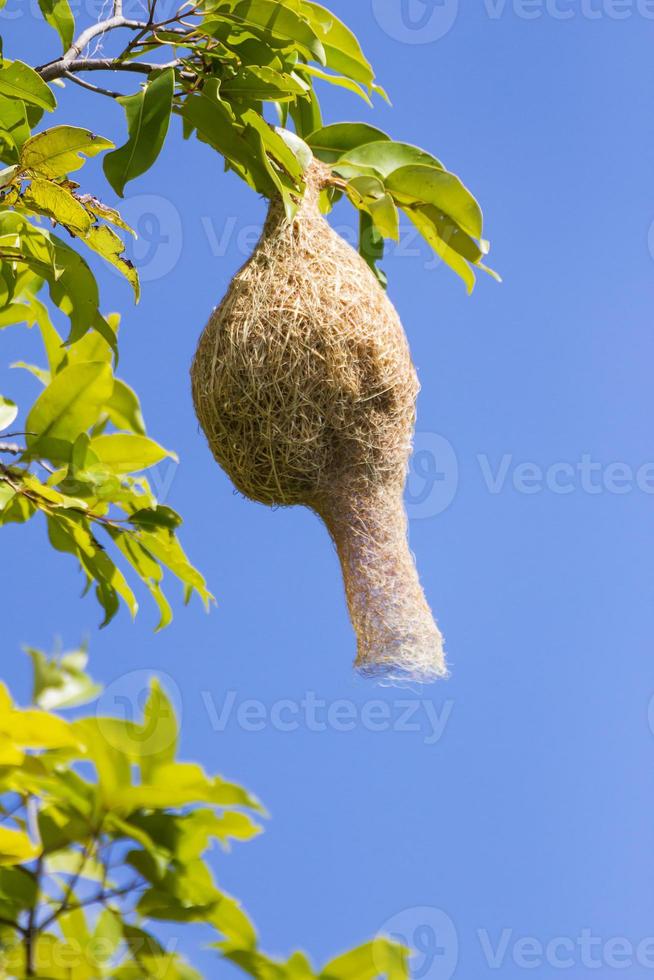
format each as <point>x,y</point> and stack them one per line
<point>522,805</point>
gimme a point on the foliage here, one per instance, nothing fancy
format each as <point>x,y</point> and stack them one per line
<point>104,834</point>
<point>80,466</point>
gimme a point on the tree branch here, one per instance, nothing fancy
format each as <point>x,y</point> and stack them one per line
<point>30,932</point>
<point>58,69</point>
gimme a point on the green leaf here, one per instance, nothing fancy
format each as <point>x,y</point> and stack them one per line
<point>123,453</point>
<point>342,50</point>
<point>450,233</point>
<point>19,81</point>
<point>61,682</point>
<point>371,246</point>
<point>368,194</point>
<point>18,886</point>
<point>58,203</point>
<point>159,720</point>
<point>166,548</point>
<point>429,231</point>
<point>425,185</point>
<point>275,22</point>
<point>332,142</point>
<point>8,412</point>
<point>298,147</point>
<point>71,533</point>
<point>178,785</point>
<point>216,125</point>
<point>69,406</point>
<point>59,15</point>
<point>153,517</point>
<point>262,84</point>
<point>339,80</point>
<point>75,291</point>
<point>61,150</point>
<point>14,128</point>
<point>306,114</point>
<point>379,958</point>
<point>148,118</point>
<point>385,156</point>
<point>124,408</point>
<point>148,570</point>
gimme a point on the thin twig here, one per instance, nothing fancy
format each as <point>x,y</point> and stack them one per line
<point>31,930</point>
<point>98,899</point>
<point>72,884</point>
<point>92,88</point>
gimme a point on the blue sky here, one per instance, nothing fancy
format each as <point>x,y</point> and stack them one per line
<point>506,813</point>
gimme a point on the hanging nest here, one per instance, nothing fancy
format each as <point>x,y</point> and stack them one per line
<point>304,386</point>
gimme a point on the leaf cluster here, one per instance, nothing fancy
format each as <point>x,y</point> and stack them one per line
<point>105,835</point>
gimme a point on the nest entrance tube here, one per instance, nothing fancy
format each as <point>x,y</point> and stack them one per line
<point>397,637</point>
<point>304,386</point>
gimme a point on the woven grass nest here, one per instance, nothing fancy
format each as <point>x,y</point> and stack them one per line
<point>304,386</point>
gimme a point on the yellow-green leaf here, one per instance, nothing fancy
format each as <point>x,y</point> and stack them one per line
<point>59,203</point>
<point>16,847</point>
<point>125,453</point>
<point>60,150</point>
<point>69,406</point>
